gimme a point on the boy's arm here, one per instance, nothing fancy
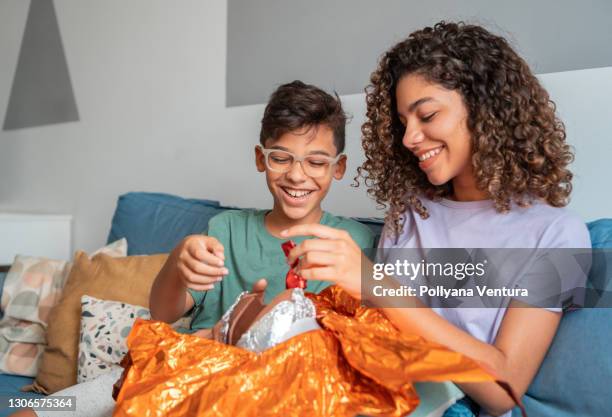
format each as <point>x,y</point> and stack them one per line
<point>169,299</point>
<point>196,263</point>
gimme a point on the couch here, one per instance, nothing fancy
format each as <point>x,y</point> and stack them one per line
<point>575,377</point>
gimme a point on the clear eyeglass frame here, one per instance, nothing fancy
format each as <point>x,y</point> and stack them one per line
<point>306,168</point>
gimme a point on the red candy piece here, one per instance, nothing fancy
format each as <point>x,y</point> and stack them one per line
<point>287,246</point>
<point>292,280</point>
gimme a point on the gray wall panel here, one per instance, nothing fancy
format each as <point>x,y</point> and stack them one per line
<point>336,44</point>
<point>41,93</point>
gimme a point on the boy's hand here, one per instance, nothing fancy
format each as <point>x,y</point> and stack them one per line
<point>200,262</point>
<point>334,256</point>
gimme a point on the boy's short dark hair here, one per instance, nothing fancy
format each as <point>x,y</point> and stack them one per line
<point>296,105</point>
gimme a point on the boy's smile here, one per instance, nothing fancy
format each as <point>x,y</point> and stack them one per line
<point>297,195</point>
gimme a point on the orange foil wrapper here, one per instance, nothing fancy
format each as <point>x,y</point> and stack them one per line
<point>358,364</point>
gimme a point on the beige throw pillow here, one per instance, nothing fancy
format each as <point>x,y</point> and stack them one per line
<point>127,280</point>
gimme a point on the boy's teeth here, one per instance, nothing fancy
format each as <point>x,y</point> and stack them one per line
<point>297,194</point>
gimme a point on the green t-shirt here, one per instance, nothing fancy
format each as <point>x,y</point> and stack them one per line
<point>251,253</point>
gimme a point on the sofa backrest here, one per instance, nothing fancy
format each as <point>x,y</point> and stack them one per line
<point>155,223</point>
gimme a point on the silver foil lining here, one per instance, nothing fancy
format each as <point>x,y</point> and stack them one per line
<point>286,319</point>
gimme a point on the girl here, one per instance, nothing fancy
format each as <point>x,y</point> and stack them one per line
<point>463,146</point>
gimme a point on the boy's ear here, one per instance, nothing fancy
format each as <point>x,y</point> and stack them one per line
<point>260,161</point>
<point>340,168</point>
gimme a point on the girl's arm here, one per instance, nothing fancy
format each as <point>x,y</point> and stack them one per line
<point>522,341</point>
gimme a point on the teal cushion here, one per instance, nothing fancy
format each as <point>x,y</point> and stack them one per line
<point>156,223</point>
<point>575,378</point>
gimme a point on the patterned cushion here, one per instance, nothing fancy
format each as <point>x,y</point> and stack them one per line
<point>32,287</point>
<point>105,326</point>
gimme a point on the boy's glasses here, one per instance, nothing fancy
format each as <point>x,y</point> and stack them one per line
<point>314,166</point>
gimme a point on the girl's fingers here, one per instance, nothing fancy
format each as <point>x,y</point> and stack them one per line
<point>318,259</point>
<point>323,273</point>
<point>316,230</point>
<point>319,245</point>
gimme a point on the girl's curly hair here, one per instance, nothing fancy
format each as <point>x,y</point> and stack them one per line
<point>518,143</point>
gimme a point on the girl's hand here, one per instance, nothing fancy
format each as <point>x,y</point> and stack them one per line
<point>200,262</point>
<point>333,256</point>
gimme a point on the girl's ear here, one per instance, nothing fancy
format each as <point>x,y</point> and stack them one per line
<point>260,161</point>
<point>340,168</point>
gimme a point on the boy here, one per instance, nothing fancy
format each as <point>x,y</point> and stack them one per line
<point>301,143</point>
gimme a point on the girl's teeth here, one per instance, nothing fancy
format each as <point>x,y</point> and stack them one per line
<point>429,154</point>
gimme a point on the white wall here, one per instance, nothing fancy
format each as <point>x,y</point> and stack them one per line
<point>584,102</point>
<point>149,81</point>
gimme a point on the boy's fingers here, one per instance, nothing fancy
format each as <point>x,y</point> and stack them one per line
<point>201,287</point>
<point>214,246</point>
<point>260,285</point>
<point>314,229</point>
<point>202,268</point>
<point>202,255</point>
<point>192,278</point>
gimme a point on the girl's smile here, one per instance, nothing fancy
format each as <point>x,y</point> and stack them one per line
<point>428,157</point>
<point>436,132</point>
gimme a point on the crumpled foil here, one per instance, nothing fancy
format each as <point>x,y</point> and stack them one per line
<point>358,363</point>
<point>271,329</point>
<point>225,319</point>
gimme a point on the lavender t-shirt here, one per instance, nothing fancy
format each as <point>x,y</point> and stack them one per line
<point>476,224</point>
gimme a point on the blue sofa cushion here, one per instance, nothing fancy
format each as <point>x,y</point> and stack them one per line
<point>575,378</point>
<point>10,386</point>
<point>156,223</point>
<point>601,233</point>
